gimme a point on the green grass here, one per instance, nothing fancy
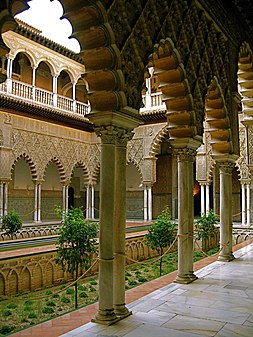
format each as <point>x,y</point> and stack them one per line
<point>22,311</point>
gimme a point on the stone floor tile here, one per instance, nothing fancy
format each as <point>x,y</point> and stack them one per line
<point>234,330</point>
<point>203,327</point>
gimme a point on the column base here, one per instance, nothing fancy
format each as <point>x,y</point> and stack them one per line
<point>186,279</point>
<point>192,276</point>
<point>106,317</point>
<point>122,311</point>
<point>226,257</point>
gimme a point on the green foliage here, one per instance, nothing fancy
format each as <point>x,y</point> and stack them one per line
<point>32,315</point>
<point>65,299</point>
<point>205,226</point>
<point>50,304</point>
<point>6,312</point>
<point>12,305</point>
<point>6,329</point>
<point>76,242</point>
<point>161,234</point>
<point>70,291</point>
<point>47,310</point>
<point>83,294</point>
<point>11,223</point>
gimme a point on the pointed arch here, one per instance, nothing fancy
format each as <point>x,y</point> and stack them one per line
<point>175,88</point>
<point>217,120</point>
<point>30,162</point>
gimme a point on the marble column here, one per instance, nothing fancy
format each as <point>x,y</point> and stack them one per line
<point>202,196</point>
<point>1,200</point>
<point>5,193</point>
<point>226,168</point>
<point>92,202</point>
<point>35,215</point>
<point>87,202</point>
<point>243,205</point>
<point>39,202</point>
<point>120,225</point>
<point>248,204</point>
<point>106,314</point>
<point>207,198</point>
<point>150,203</point>
<point>185,215</point>
<point>145,201</point>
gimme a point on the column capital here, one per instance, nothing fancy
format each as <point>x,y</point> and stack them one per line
<point>113,135</point>
<point>226,166</point>
<point>185,154</point>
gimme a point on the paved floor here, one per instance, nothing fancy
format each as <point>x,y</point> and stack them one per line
<point>164,305</point>
<point>219,303</point>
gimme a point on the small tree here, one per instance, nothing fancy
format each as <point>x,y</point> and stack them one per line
<point>11,223</point>
<point>76,243</point>
<point>161,234</point>
<point>205,226</point>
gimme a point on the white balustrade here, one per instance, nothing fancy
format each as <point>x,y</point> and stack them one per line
<point>44,97</point>
<point>155,100</point>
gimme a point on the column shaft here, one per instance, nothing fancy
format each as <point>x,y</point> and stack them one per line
<point>202,195</point>
<point>145,201</point>
<point>119,232</point>
<point>207,199</point>
<point>149,203</point>
<point>106,314</point>
<point>185,217</point>
<point>226,212</point>
<point>39,202</point>
<point>5,208</point>
<point>35,216</point>
<point>248,204</point>
<point>1,200</point>
<point>243,205</point>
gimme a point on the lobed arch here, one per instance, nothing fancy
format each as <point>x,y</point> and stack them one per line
<point>99,52</point>
<point>95,173</point>
<point>173,82</point>
<point>245,78</point>
<point>161,135</point>
<point>30,162</point>
<point>217,120</point>
<point>84,169</point>
<point>136,164</point>
<point>60,167</point>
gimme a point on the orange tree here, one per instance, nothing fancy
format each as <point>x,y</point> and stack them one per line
<point>161,234</point>
<point>76,243</point>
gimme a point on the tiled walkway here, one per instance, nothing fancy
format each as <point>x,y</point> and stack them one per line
<point>219,303</point>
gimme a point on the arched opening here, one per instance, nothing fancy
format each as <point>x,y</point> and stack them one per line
<point>134,194</point>
<point>21,190</point>
<point>64,85</point>
<point>51,195</point>
<point>44,77</point>
<point>163,187</point>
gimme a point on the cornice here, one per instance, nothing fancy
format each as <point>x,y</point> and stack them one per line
<point>34,35</point>
<point>28,109</point>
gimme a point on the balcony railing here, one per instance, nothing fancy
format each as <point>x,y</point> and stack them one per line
<point>43,97</point>
<point>153,102</point>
